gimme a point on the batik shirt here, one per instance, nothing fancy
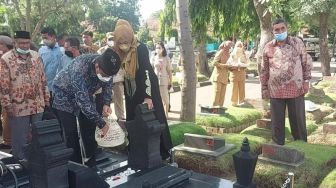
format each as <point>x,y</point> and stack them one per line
<point>285,69</point>
<point>52,59</point>
<point>75,85</point>
<point>23,84</point>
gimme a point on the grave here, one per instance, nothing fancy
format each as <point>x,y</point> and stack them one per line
<point>281,155</point>
<point>204,145</point>
<point>329,128</point>
<point>144,143</point>
<point>212,110</point>
<point>264,123</point>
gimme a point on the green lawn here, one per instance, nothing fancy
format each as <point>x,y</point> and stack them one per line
<point>234,117</point>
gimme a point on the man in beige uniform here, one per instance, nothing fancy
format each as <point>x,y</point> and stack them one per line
<point>219,75</point>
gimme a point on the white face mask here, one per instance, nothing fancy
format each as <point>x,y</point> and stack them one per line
<point>110,43</point>
<point>104,79</point>
<point>158,51</point>
<point>21,51</point>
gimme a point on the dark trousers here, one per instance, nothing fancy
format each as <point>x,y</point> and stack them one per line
<point>296,115</point>
<point>87,128</point>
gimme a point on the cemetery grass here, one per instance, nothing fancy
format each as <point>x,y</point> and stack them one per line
<point>233,117</point>
<point>318,137</point>
<point>329,181</point>
<point>223,165</point>
<point>267,133</point>
<point>329,99</point>
<point>319,161</point>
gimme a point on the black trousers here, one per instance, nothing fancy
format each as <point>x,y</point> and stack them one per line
<point>296,115</point>
<point>87,128</point>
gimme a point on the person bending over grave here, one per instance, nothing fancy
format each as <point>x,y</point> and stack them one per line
<point>74,87</point>
<point>141,83</point>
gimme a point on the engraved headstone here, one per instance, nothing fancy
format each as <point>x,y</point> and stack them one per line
<point>281,155</point>
<point>204,145</point>
<point>203,142</point>
<point>264,123</point>
<point>213,109</point>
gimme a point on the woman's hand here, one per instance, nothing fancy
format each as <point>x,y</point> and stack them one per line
<point>149,103</point>
<point>106,111</point>
<point>104,130</point>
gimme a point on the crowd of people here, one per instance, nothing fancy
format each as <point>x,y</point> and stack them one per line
<point>76,85</point>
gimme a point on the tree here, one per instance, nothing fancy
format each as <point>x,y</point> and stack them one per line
<point>189,82</point>
<point>143,34</point>
<point>265,20</point>
<point>322,9</point>
<point>33,13</point>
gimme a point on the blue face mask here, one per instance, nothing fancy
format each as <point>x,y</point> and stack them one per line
<point>21,51</point>
<point>280,36</point>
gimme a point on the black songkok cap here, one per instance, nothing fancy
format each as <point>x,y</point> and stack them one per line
<point>22,35</point>
<point>109,62</point>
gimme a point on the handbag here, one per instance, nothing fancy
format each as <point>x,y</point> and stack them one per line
<point>115,136</point>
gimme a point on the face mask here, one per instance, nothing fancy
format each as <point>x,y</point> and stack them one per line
<point>110,43</point>
<point>239,49</point>
<point>281,36</point>
<point>48,42</point>
<point>125,47</point>
<point>104,79</point>
<point>158,51</point>
<point>21,51</point>
<point>69,54</point>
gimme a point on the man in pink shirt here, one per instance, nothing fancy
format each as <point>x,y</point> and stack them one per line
<point>284,77</point>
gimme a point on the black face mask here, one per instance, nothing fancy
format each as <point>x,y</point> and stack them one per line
<point>69,54</point>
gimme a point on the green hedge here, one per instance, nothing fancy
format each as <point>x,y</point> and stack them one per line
<point>177,131</point>
<point>235,116</point>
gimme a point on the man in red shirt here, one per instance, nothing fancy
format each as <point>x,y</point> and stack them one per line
<point>285,75</point>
